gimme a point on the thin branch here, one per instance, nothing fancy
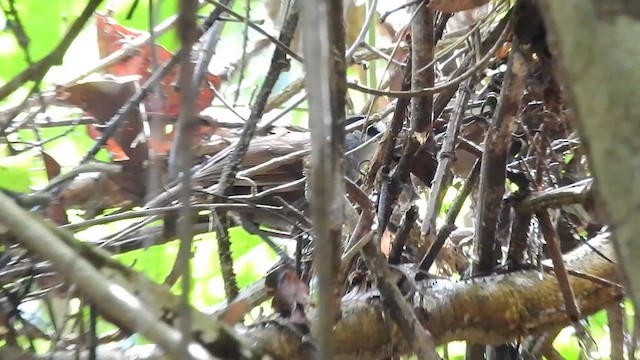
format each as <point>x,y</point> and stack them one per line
<point>38,70</point>
<point>422,53</point>
<point>112,125</point>
<point>615,322</point>
<point>181,153</point>
<point>420,339</point>
<point>278,64</point>
<point>442,86</point>
<point>410,217</point>
<point>443,174</point>
<point>449,225</point>
<point>494,160</point>
<point>279,43</point>
<point>553,244</point>
<point>110,296</point>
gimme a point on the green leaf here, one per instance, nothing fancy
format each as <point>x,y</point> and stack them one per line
<point>242,242</point>
<point>14,172</point>
<point>44,30</point>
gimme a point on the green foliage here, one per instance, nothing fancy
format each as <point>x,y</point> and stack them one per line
<point>68,148</point>
<point>14,171</point>
<point>251,258</point>
<point>140,19</point>
<point>44,29</point>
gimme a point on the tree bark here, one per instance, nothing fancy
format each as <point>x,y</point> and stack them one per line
<point>594,44</point>
<point>491,310</point>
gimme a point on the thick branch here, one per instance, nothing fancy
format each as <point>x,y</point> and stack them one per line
<point>491,310</point>
<point>323,46</point>
<point>124,296</point>
<point>603,92</point>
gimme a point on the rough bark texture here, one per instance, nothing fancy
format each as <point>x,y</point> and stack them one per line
<point>595,47</point>
<point>492,310</point>
<point>422,55</point>
<point>494,159</point>
<point>323,45</point>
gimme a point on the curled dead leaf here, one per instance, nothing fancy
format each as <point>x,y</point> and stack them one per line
<point>113,36</point>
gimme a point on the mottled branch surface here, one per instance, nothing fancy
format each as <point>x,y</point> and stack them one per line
<point>491,310</point>
<point>602,87</point>
<point>325,67</point>
<point>494,159</point>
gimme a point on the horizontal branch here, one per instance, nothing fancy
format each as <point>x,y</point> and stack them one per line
<point>140,352</point>
<point>489,310</point>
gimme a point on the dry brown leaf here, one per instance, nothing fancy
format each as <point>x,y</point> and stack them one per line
<point>452,6</point>
<point>234,312</point>
<point>113,36</point>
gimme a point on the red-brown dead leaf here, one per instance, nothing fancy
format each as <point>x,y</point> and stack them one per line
<point>290,294</point>
<point>55,210</point>
<point>111,38</point>
<point>452,6</point>
<point>56,213</point>
<point>51,166</point>
<point>102,99</point>
<point>116,152</point>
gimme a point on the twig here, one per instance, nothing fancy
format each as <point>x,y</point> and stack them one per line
<point>575,193</point>
<point>443,175</point>
<point>553,244</point>
<point>494,160</point>
<point>392,188</point>
<point>227,179</point>
<point>274,163</point>
<point>284,95</point>
<point>592,278</point>
<point>278,64</point>
<point>181,152</point>
<point>386,146</point>
<point>431,254</point>
<point>112,125</point>
<point>109,295</point>
<point>445,96</point>
<point>279,43</point>
<point>221,224</point>
<point>297,85</point>
<point>325,83</point>
<point>244,56</point>
<point>410,217</point>
<point>156,211</point>
<point>363,30</point>
<point>211,36</point>
<point>519,237</point>
<point>264,128</point>
<point>416,335</point>
<point>83,168</point>
<point>615,321</point>
<point>442,86</point>
<point>272,191</point>
<point>38,70</point>
<point>422,53</point>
